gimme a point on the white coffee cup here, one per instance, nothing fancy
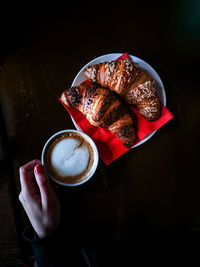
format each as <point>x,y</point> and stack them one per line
<point>70,157</point>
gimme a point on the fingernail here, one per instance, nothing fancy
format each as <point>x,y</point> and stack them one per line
<point>39,169</point>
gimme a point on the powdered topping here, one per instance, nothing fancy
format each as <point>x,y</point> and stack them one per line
<point>112,72</point>
<point>91,72</point>
<point>109,68</point>
<point>112,66</point>
<point>116,75</point>
<point>128,65</point>
<point>153,102</point>
<point>145,90</point>
<point>136,93</point>
<point>148,111</point>
<point>131,66</point>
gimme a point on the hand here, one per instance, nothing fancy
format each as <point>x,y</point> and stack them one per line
<point>38,198</point>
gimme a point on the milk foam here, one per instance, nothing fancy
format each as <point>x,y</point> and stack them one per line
<point>68,159</point>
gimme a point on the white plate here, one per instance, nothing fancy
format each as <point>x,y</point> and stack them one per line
<point>80,77</point>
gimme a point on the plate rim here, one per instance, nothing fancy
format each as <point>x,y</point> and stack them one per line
<point>147,137</point>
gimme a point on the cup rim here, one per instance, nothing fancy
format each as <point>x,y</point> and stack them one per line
<point>93,146</point>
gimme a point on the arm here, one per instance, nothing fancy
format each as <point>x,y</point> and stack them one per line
<point>43,210</point>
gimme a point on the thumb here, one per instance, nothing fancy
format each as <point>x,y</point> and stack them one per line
<point>43,183</point>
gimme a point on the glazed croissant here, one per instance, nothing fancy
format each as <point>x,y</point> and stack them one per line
<point>104,109</point>
<point>127,79</point>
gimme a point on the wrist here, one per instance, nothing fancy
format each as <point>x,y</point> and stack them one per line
<point>31,235</point>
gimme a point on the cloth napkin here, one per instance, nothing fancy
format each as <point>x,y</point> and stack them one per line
<point>109,146</point>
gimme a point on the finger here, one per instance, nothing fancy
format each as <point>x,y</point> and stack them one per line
<point>43,183</point>
<point>30,165</point>
<point>27,175</point>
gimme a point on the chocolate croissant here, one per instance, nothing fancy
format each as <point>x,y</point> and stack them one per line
<point>103,108</point>
<point>127,79</point>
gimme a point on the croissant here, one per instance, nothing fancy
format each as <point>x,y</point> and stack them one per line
<point>103,108</point>
<point>127,79</point>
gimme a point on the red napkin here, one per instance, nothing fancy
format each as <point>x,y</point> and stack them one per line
<point>109,146</point>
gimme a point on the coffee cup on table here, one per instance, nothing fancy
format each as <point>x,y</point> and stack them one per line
<point>70,157</point>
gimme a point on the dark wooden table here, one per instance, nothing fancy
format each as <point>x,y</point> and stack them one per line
<point>153,189</point>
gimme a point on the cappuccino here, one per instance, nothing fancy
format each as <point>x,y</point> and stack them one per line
<point>70,157</point>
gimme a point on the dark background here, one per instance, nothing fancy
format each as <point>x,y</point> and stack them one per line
<point>153,190</point>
